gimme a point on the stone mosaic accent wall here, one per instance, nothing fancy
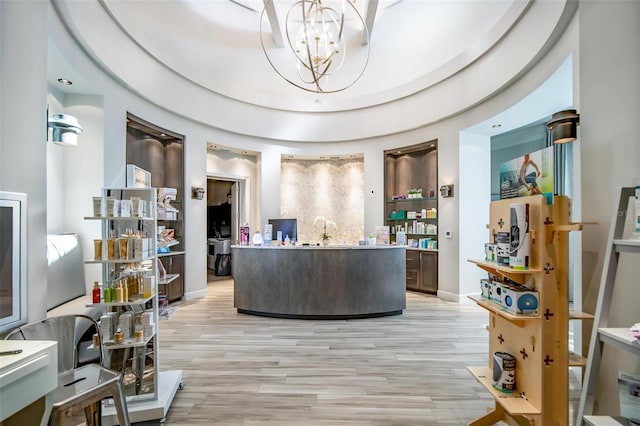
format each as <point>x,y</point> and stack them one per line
<point>333,189</point>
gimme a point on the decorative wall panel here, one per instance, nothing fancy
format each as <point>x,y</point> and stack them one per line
<point>333,189</point>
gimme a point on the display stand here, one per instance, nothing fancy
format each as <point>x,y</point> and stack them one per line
<point>129,258</point>
<point>618,338</point>
<point>538,342</point>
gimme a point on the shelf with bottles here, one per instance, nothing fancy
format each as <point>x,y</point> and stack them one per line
<point>135,300</point>
<point>130,342</point>
<point>409,199</point>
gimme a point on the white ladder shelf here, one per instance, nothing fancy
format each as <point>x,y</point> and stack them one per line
<point>601,334</point>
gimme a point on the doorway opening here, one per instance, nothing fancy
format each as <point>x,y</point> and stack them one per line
<point>223,212</point>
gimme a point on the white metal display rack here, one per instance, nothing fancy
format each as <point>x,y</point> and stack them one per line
<point>153,391</point>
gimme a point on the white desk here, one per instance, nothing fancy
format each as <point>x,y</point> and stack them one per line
<point>27,376</point>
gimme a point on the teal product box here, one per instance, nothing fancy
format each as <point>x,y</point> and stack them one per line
<point>519,300</point>
<point>484,288</point>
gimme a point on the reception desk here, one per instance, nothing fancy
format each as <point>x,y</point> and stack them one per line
<point>332,282</point>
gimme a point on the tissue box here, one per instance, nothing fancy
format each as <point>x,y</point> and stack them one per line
<point>519,300</point>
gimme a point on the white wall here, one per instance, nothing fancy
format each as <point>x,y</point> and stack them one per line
<point>608,135</point>
<point>222,164</point>
<point>23,115</point>
<point>75,171</point>
<point>475,194</point>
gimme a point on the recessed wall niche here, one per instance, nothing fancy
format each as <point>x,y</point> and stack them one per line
<point>333,188</point>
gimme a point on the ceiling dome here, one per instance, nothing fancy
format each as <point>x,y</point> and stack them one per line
<point>204,60</point>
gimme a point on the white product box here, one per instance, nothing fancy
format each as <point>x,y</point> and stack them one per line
<point>411,215</point>
<point>495,291</point>
<point>519,300</point>
<point>167,193</point>
<point>141,248</point>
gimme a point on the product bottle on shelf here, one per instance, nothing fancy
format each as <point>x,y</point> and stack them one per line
<point>96,292</point>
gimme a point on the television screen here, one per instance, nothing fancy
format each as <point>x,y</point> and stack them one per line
<point>287,226</point>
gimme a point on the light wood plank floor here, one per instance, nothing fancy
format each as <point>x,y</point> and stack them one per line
<point>402,370</point>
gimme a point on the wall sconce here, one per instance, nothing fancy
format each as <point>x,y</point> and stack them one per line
<point>197,193</point>
<point>446,191</point>
<point>65,129</point>
<point>563,126</point>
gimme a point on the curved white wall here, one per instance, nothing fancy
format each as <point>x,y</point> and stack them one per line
<point>118,100</point>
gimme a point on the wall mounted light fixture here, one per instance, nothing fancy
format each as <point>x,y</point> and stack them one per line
<point>197,193</point>
<point>65,129</point>
<point>446,191</point>
<point>563,126</point>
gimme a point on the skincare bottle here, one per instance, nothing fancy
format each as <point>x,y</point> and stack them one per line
<point>118,293</point>
<point>107,294</point>
<point>96,292</point>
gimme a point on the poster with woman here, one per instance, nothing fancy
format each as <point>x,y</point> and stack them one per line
<point>529,174</point>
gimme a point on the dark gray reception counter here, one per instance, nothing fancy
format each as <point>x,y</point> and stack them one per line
<point>329,282</point>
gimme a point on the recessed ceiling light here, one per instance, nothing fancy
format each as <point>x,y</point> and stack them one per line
<point>163,134</point>
<point>495,126</point>
<point>399,152</point>
<point>65,81</point>
<point>432,145</point>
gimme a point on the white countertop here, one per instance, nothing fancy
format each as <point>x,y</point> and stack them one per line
<point>28,375</point>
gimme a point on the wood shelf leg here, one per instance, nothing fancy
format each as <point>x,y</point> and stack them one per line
<point>491,418</point>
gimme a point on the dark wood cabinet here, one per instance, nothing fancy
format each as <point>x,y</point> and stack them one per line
<point>413,270</point>
<point>422,271</point>
<point>428,272</point>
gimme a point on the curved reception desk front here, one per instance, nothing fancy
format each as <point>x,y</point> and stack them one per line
<point>332,282</point>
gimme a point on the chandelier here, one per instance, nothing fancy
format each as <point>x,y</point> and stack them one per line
<point>318,34</point>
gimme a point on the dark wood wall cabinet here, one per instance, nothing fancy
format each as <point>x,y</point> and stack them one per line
<point>411,209</point>
<point>161,152</point>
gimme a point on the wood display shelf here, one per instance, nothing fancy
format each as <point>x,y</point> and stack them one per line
<point>539,343</point>
<point>513,403</point>
<point>576,315</point>
<point>517,275</point>
<point>497,309</point>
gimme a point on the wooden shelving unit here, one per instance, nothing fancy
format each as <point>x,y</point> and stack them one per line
<point>408,168</point>
<point>538,342</point>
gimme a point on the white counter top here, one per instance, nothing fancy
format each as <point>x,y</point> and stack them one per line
<point>28,375</point>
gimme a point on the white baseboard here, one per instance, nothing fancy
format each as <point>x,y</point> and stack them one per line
<point>457,298</point>
<point>199,294</point>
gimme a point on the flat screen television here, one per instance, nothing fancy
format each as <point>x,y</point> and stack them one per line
<point>287,226</point>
